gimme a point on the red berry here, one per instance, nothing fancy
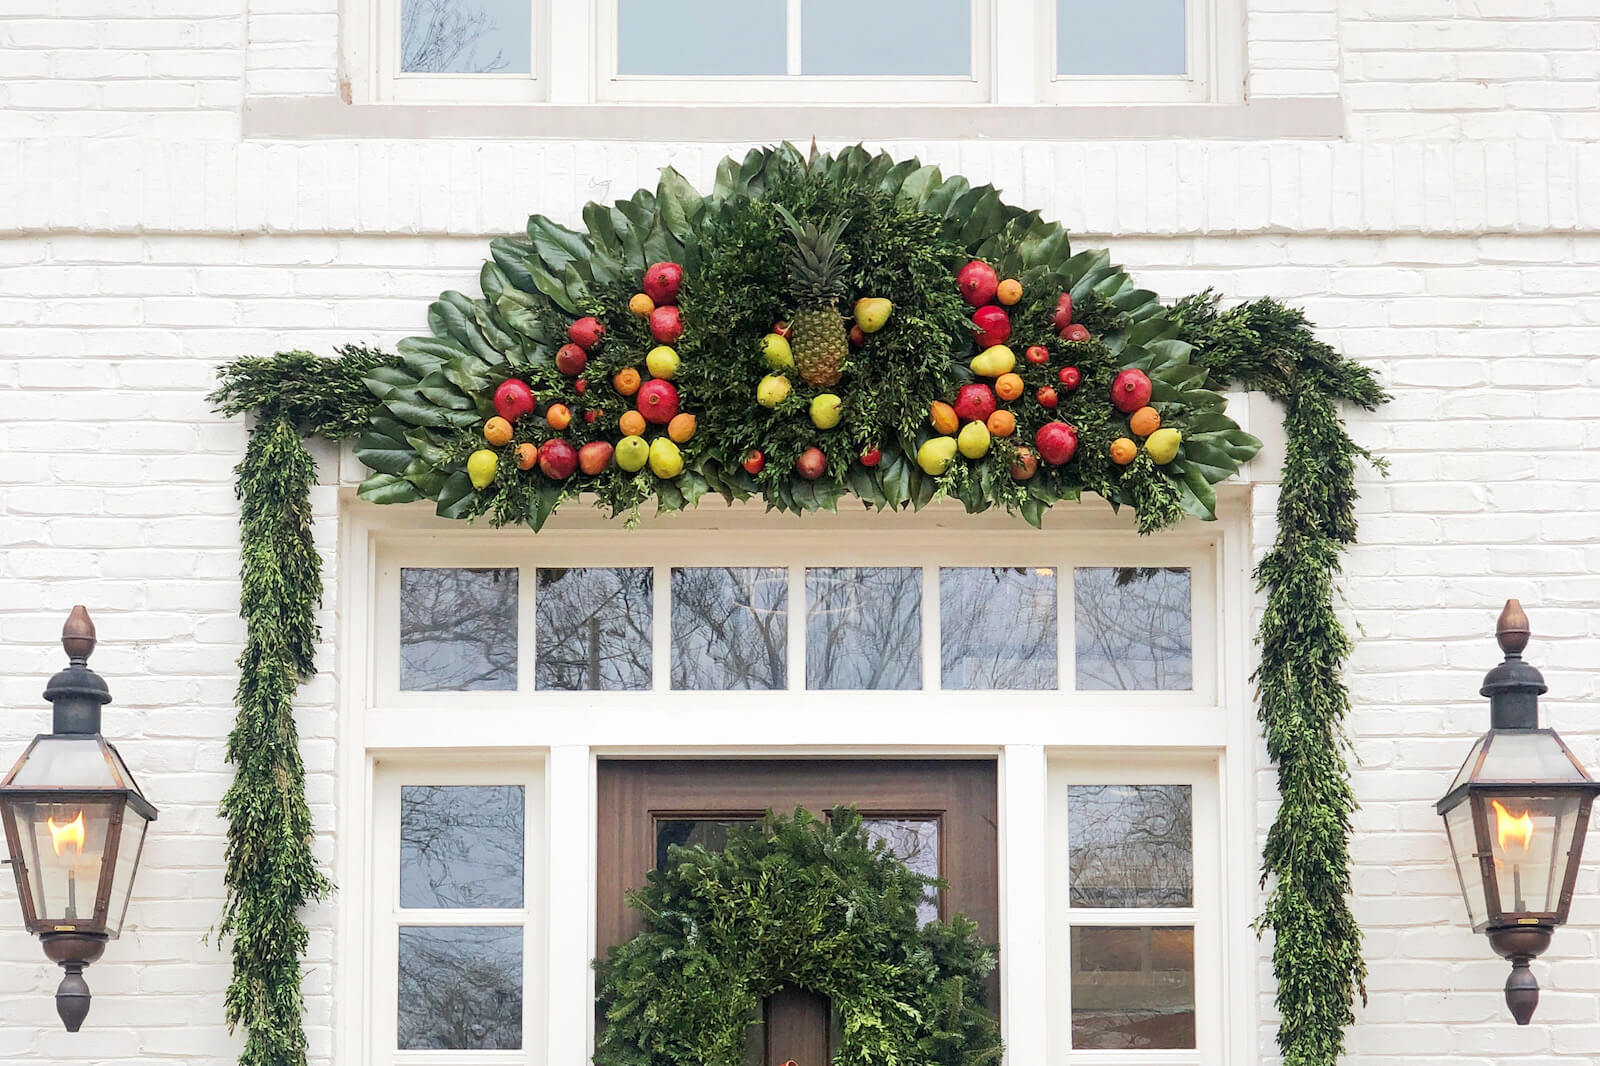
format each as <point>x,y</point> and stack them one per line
<point>591,416</point>
<point>872,456</point>
<point>1071,377</point>
<point>581,385</point>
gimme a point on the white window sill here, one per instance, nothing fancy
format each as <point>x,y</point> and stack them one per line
<point>300,118</point>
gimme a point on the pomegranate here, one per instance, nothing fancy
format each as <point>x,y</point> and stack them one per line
<point>992,326</point>
<point>657,400</point>
<point>557,459</point>
<point>1057,442</point>
<point>586,332</point>
<point>661,281</point>
<point>978,283</point>
<point>1130,391</point>
<point>513,399</point>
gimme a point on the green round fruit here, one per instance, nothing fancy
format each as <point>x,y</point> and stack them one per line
<point>974,440</point>
<point>632,453</point>
<point>1162,446</point>
<point>665,458</point>
<point>936,455</point>
<point>826,411</point>
<point>481,466</point>
<point>776,351</point>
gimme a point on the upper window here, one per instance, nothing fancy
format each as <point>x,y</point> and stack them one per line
<point>794,51</point>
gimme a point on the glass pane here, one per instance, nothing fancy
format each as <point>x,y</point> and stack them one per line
<point>708,833</point>
<point>460,988</point>
<point>997,627</point>
<point>730,627</point>
<point>1130,845</point>
<point>886,37</point>
<point>1534,756</point>
<point>458,629</point>
<point>915,842</point>
<point>466,36</point>
<point>1464,848</point>
<point>864,627</point>
<point>594,628</point>
<point>63,849</point>
<point>1530,838</point>
<point>1133,628</point>
<point>702,38</point>
<point>1130,37</point>
<point>129,850</point>
<point>461,846</point>
<point>1132,987</point>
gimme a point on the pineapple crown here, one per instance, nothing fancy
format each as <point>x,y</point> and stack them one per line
<point>816,268</point>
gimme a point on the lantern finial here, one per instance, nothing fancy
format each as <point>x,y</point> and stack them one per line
<point>77,636</point>
<point>1512,629</point>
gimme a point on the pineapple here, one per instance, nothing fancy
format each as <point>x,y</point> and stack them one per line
<point>816,282</point>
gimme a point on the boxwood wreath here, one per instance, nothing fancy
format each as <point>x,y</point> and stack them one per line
<point>971,313</point>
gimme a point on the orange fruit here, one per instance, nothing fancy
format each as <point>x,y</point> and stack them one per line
<point>559,415</point>
<point>1123,450</point>
<point>1002,423</point>
<point>626,380</point>
<point>497,431</point>
<point>641,304</point>
<point>631,423</point>
<point>1145,421</point>
<point>681,428</point>
<point>943,417</point>
<point>1008,386</point>
<point>527,456</point>
<point>1008,291</point>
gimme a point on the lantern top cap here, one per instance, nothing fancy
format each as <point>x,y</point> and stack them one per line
<point>77,636</point>
<point>1511,630</point>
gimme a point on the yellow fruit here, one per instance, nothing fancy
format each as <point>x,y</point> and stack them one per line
<point>631,423</point>
<point>1144,421</point>
<point>871,313</point>
<point>776,351</point>
<point>943,417</point>
<point>661,361</point>
<point>1009,291</point>
<point>497,431</point>
<point>1002,423</point>
<point>826,410</point>
<point>1162,446</point>
<point>682,427</point>
<point>974,440</point>
<point>640,304</point>
<point>481,466</point>
<point>773,390</point>
<point>1008,386</point>
<point>625,381</point>
<point>1123,451</point>
<point>936,455</point>
<point>992,362</point>
<point>632,453</point>
<point>665,458</point>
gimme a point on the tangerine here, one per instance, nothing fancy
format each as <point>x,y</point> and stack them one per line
<point>1002,423</point>
<point>682,427</point>
<point>626,381</point>
<point>640,304</point>
<point>497,431</point>
<point>631,423</point>
<point>527,456</point>
<point>1008,291</point>
<point>1145,421</point>
<point>1008,386</point>
<point>943,417</point>
<point>1123,451</point>
<point>559,415</point>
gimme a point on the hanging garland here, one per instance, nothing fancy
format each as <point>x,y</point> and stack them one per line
<point>566,343</point>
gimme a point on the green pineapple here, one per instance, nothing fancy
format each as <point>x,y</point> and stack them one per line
<point>816,282</point>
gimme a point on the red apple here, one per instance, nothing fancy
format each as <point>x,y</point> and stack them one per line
<point>754,461</point>
<point>857,338</point>
<point>571,359</point>
<point>783,329</point>
<point>872,456</point>
<point>1130,391</point>
<point>1057,442</point>
<point>586,332</point>
<point>978,283</point>
<point>513,399</point>
<point>1062,318</point>
<point>1075,333</point>
<point>1025,465</point>
<point>666,324</point>
<point>974,403</point>
<point>1037,353</point>
<point>992,326</point>
<point>1071,377</point>
<point>594,457</point>
<point>1047,397</point>
<point>661,281</point>
<point>557,459</point>
<point>812,464</point>
<point>657,400</point>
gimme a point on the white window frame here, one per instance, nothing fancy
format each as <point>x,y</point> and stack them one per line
<point>1203,24</point>
<point>397,86</point>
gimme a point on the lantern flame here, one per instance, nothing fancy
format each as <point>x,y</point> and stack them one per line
<point>71,833</point>
<point>1516,827</point>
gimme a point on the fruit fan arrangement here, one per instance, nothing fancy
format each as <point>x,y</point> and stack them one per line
<point>811,329</point>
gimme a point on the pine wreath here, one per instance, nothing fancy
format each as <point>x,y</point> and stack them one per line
<point>797,902</point>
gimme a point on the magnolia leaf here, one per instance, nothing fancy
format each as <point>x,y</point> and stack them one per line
<point>384,454</point>
<point>556,245</point>
<point>456,496</point>
<point>388,488</point>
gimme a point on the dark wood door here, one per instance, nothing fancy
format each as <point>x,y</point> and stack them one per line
<point>644,803</point>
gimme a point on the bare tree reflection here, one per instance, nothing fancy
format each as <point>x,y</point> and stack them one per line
<point>730,627</point>
<point>460,988</point>
<point>864,628</point>
<point>915,842</point>
<point>1133,628</point>
<point>441,37</point>
<point>458,629</point>
<point>1130,845</point>
<point>997,627</point>
<point>594,628</point>
<point>461,846</point>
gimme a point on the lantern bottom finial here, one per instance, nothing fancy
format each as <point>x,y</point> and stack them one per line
<point>1521,944</point>
<point>74,951</point>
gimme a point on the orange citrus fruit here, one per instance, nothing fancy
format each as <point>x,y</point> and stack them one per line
<point>631,423</point>
<point>1145,421</point>
<point>1002,423</point>
<point>1008,386</point>
<point>626,380</point>
<point>1123,450</point>
<point>497,431</point>
<point>559,415</point>
<point>641,304</point>
<point>527,456</point>
<point>943,417</point>
<point>1008,291</point>
<point>681,428</point>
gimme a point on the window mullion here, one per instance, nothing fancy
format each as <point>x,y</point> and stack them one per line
<point>792,37</point>
<point>1016,47</point>
<point>571,49</point>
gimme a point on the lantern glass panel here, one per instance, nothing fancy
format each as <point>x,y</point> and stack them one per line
<point>129,850</point>
<point>63,847</point>
<point>1464,848</point>
<point>1528,756</point>
<point>1530,837</point>
<point>70,762</point>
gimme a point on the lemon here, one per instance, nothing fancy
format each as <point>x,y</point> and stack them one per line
<point>632,453</point>
<point>481,466</point>
<point>1162,446</point>
<point>665,458</point>
<point>662,362</point>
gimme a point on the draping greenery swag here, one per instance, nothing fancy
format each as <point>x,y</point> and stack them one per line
<point>419,413</point>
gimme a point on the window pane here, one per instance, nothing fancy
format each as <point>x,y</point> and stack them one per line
<point>702,38</point>
<point>1133,628</point>
<point>460,988</point>
<point>461,846</point>
<point>997,627</point>
<point>864,627</point>
<point>708,833</point>
<point>458,629</point>
<point>915,842</point>
<point>594,628</point>
<point>1130,845</point>
<point>1129,37</point>
<point>1132,987</point>
<point>466,36</point>
<point>730,627</point>
<point>886,37</point>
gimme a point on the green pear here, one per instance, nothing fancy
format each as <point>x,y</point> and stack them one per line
<point>992,362</point>
<point>773,390</point>
<point>1162,446</point>
<point>872,312</point>
<point>974,440</point>
<point>826,410</point>
<point>632,453</point>
<point>936,455</point>
<point>775,350</point>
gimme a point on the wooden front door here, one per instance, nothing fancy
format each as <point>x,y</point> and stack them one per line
<point>939,814</point>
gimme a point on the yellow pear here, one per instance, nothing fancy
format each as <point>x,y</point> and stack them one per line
<point>665,458</point>
<point>974,440</point>
<point>773,390</point>
<point>936,455</point>
<point>992,362</point>
<point>826,410</point>
<point>872,312</point>
<point>1162,446</point>
<point>776,351</point>
<point>481,466</point>
<point>662,362</point>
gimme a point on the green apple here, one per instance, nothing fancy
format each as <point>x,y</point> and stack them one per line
<point>773,390</point>
<point>826,411</point>
<point>776,351</point>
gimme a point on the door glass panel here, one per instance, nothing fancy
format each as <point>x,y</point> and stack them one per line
<point>702,38</point>
<point>1132,987</point>
<point>466,36</point>
<point>709,833</point>
<point>458,629</point>
<point>915,842</point>
<point>1133,628</point>
<point>864,627</point>
<point>1130,37</point>
<point>886,37</point>
<point>730,627</point>
<point>1130,845</point>
<point>997,627</point>
<point>594,628</point>
<point>460,988</point>
<point>461,846</point>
